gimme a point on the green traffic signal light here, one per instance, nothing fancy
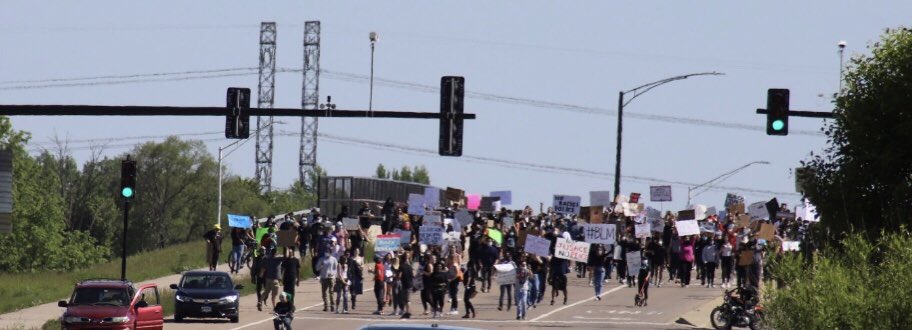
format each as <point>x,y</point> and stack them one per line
<point>127,192</point>
<point>778,124</point>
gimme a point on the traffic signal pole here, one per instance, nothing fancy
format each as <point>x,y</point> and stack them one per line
<point>123,255</point>
<point>129,110</point>
<point>802,113</point>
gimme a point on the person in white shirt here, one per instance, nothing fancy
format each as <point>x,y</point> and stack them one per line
<point>328,268</point>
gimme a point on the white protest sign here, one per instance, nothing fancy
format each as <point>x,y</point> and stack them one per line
<point>537,245</point>
<point>351,223</point>
<point>506,274</point>
<point>758,211</point>
<point>571,250</point>
<point>507,223</point>
<point>430,235</point>
<point>449,222</point>
<point>599,233</point>
<point>432,197</point>
<point>603,198</point>
<point>699,211</point>
<point>634,261</point>
<point>660,193</point>
<point>657,224</point>
<point>632,209</point>
<point>687,227</point>
<point>643,231</point>
<point>405,236</point>
<point>433,220</point>
<point>464,218</point>
<point>791,245</point>
<point>565,204</point>
<point>807,211</point>
<point>416,204</point>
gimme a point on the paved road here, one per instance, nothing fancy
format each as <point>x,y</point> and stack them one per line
<point>614,311</point>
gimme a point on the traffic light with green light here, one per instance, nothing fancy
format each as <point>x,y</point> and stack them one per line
<point>777,107</point>
<point>128,178</point>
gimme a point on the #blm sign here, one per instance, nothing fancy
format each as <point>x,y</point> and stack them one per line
<point>565,204</point>
<point>687,227</point>
<point>537,245</point>
<point>660,193</point>
<point>571,250</point>
<point>430,235</point>
<point>599,233</point>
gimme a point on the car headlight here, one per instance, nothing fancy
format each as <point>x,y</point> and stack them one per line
<point>229,299</point>
<point>181,298</point>
<point>120,319</point>
<point>74,319</point>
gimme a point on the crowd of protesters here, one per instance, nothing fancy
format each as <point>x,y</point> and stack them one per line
<point>436,274</point>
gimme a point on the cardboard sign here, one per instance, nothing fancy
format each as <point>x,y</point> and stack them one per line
<point>767,231</point>
<point>743,221</point>
<point>473,201</point>
<point>571,250</point>
<point>453,194</point>
<point>643,231</point>
<point>287,237</point>
<point>506,196</point>
<point>736,208</point>
<point>634,261</point>
<point>791,246</point>
<point>430,235</point>
<point>432,197</point>
<point>564,204</point>
<point>239,221</point>
<point>507,223</point>
<point>746,258</point>
<point>506,274</point>
<point>537,246</point>
<point>599,233</point>
<point>521,237</point>
<point>464,218</point>
<point>660,193</point>
<point>595,214</point>
<point>634,198</point>
<point>387,243</point>
<point>405,236</point>
<point>416,204</point>
<point>603,198</point>
<point>351,223</point>
<point>687,227</point>
<point>487,204</point>
<point>686,215</point>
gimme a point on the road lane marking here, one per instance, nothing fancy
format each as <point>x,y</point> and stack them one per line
<point>577,303</point>
<point>445,320</point>
<point>298,310</point>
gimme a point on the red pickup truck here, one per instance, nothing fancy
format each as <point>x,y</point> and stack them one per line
<point>112,304</point>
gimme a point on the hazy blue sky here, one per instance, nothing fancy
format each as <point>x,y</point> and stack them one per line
<point>578,53</point>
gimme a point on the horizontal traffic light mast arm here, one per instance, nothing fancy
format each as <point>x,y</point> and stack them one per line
<point>101,110</point>
<point>798,113</point>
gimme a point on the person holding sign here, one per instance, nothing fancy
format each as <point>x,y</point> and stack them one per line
<point>505,288</point>
<point>522,288</point>
<point>687,260</point>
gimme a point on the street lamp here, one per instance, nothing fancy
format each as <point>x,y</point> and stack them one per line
<point>621,104</point>
<point>374,37</point>
<point>721,178</point>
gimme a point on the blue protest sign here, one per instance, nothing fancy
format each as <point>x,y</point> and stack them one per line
<point>506,197</point>
<point>239,221</point>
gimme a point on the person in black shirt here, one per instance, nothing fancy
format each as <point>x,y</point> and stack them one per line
<point>470,292</point>
<point>237,250</point>
<point>291,276</point>
<point>406,276</point>
<point>285,309</point>
<point>213,246</point>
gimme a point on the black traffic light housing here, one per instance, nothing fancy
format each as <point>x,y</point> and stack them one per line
<point>128,178</point>
<point>777,116</point>
<point>237,120</point>
<point>452,101</point>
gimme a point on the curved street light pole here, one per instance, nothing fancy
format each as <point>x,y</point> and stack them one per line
<point>621,104</point>
<point>723,176</point>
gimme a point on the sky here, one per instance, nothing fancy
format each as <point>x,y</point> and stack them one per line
<point>542,77</point>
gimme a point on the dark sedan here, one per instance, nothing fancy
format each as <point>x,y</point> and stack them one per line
<point>206,295</point>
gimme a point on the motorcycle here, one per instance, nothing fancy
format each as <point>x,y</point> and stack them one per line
<point>281,318</point>
<point>737,313</point>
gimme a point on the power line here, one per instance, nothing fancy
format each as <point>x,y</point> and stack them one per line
<point>127,76</point>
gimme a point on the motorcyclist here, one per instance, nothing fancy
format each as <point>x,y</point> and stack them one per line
<point>284,311</point>
<point>746,296</point>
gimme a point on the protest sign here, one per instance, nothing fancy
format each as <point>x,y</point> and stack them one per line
<point>736,208</point>
<point>351,223</point>
<point>767,231</point>
<point>686,215</point>
<point>699,211</point>
<point>473,201</point>
<point>387,243</point>
<point>621,199</point>
<point>565,204</point>
<point>772,207</point>
<point>570,250</point>
<point>507,223</point>
<point>687,227</point>
<point>487,204</point>
<point>807,211</point>
<point>634,198</point>
<point>595,213</point>
<point>464,218</point>
<point>496,235</point>
<point>603,198</point>
<point>453,194</point>
<point>416,204</point>
<point>239,221</point>
<point>758,210</point>
<point>286,237</point>
<point>432,197</point>
<point>746,258</point>
<point>657,224</point>
<point>506,274</point>
<point>260,232</point>
<point>634,261</point>
<point>711,211</point>
<point>643,231</point>
<point>732,199</point>
<point>537,245</point>
<point>521,237</point>
<point>506,196</point>
<point>785,215</point>
<point>791,245</point>
<point>632,209</point>
<point>660,193</point>
<point>433,220</point>
<point>707,227</point>
<point>599,233</point>
<point>430,235</point>
<point>405,236</point>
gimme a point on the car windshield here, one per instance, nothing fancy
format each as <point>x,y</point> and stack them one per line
<point>206,282</point>
<point>101,296</point>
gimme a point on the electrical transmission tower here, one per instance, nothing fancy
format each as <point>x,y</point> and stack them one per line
<point>310,97</point>
<point>265,99</point>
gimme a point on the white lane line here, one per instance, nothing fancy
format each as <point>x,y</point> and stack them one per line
<point>577,303</point>
<point>445,320</point>
<point>298,310</point>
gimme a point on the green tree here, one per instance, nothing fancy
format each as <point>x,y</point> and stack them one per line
<point>394,175</point>
<point>405,174</point>
<point>862,182</point>
<point>381,172</point>
<point>421,175</point>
